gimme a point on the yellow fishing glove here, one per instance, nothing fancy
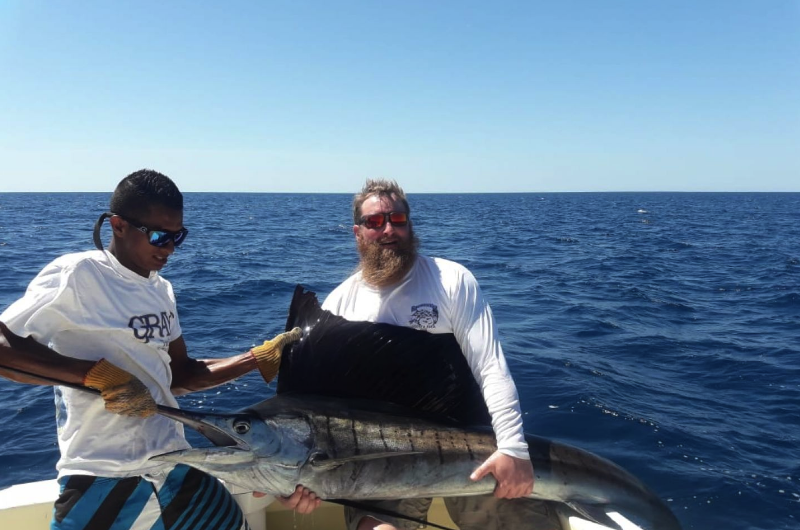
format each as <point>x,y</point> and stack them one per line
<point>268,355</point>
<point>123,393</point>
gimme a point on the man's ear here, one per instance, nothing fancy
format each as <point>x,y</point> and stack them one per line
<point>355,231</point>
<point>117,225</point>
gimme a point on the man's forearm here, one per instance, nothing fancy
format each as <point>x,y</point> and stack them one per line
<point>37,359</point>
<point>202,374</point>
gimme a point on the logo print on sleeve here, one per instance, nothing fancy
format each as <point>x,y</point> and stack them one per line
<point>145,326</point>
<point>424,316</point>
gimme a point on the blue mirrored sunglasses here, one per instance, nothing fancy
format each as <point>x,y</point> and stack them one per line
<point>158,238</point>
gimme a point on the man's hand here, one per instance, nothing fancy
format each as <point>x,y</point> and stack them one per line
<point>514,476</point>
<point>302,500</point>
<point>268,355</point>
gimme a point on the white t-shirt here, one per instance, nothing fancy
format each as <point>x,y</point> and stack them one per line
<point>441,296</point>
<point>88,306</point>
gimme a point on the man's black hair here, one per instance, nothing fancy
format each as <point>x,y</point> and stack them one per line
<point>143,189</point>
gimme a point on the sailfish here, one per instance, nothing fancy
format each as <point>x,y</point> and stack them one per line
<point>369,411</point>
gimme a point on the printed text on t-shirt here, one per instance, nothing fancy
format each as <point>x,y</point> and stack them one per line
<point>144,327</point>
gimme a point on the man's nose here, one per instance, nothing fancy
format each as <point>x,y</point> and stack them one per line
<point>388,228</point>
<point>170,246</point>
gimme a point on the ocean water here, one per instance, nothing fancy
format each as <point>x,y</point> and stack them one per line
<point>660,330</point>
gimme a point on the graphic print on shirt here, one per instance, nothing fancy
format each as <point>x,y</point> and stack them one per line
<point>145,326</point>
<point>424,316</point>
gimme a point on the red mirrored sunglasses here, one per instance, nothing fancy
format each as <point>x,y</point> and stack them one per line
<point>377,220</point>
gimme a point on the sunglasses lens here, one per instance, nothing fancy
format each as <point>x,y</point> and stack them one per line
<point>159,238</point>
<point>374,221</point>
<point>180,236</point>
<point>399,218</point>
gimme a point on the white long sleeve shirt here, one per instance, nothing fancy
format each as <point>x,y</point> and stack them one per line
<point>441,296</point>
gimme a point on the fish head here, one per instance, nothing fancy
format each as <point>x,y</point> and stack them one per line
<point>244,431</point>
<point>250,451</point>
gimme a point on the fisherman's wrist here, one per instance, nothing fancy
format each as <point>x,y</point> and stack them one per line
<point>518,453</point>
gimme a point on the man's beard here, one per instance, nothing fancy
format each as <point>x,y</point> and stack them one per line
<point>381,266</point>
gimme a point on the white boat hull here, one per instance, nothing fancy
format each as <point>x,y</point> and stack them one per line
<point>30,507</point>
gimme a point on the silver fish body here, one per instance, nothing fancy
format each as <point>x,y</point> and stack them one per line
<point>344,449</point>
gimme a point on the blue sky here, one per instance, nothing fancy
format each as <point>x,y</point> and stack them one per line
<point>443,96</point>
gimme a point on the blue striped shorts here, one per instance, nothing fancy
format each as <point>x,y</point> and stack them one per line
<point>183,499</point>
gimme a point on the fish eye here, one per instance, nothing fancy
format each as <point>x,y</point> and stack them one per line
<point>241,426</point>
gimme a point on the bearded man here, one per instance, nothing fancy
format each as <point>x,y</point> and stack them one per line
<point>396,285</point>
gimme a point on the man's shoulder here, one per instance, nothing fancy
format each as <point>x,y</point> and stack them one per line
<point>445,265</point>
<point>350,281</point>
<point>64,272</point>
<point>75,261</point>
<point>453,276</point>
<point>340,290</point>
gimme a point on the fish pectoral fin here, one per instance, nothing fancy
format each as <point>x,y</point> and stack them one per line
<point>595,514</point>
<point>321,460</point>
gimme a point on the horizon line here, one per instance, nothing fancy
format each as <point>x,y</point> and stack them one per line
<point>426,192</point>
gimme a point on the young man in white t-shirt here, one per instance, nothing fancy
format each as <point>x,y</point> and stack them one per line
<point>114,322</point>
<point>396,285</point>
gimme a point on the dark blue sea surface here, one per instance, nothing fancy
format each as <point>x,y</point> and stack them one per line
<point>660,330</point>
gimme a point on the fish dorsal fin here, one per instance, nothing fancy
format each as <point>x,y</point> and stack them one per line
<point>362,360</point>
